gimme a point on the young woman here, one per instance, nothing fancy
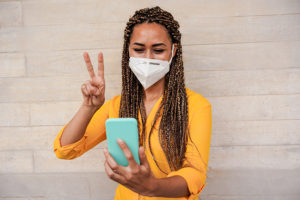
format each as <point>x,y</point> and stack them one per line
<point>174,122</point>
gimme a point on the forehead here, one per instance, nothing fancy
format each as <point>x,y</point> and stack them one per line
<point>149,33</point>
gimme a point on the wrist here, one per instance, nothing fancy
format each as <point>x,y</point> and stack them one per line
<point>89,108</point>
<point>174,186</point>
<point>155,187</point>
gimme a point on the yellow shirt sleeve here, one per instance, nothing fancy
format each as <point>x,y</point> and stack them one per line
<point>195,165</point>
<point>94,134</point>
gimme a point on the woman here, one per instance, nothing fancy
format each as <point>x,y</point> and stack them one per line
<point>174,122</point>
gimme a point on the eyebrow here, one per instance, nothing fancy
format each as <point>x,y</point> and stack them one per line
<point>154,45</point>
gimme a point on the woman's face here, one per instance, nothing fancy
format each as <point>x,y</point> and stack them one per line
<point>151,40</point>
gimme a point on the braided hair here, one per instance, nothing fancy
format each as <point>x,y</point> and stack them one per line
<point>173,128</point>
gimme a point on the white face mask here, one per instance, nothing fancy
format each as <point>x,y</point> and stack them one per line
<point>149,71</point>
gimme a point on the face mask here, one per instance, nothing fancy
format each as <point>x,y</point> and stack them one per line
<point>149,71</point>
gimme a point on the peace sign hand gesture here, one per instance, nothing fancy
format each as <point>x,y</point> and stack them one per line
<point>93,90</point>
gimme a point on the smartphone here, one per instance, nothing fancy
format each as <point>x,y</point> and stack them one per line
<point>125,129</point>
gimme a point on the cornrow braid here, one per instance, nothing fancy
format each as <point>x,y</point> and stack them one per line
<point>173,128</point>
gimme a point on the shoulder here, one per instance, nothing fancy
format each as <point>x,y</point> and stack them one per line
<point>198,106</point>
<point>196,101</point>
<point>115,100</point>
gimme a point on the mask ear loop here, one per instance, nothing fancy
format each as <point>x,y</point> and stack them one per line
<point>172,54</point>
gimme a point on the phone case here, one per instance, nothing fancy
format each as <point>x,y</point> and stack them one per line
<point>127,130</point>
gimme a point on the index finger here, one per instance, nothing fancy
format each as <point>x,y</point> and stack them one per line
<point>89,65</point>
<point>127,153</point>
<point>100,65</point>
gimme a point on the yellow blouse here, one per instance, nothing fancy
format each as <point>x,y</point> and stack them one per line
<point>197,152</point>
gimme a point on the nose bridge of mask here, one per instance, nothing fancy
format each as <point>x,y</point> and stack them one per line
<point>158,63</point>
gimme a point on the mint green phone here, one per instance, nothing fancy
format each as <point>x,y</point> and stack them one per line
<point>127,130</point>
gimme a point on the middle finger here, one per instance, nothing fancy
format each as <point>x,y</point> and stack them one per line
<point>100,65</point>
<point>111,162</point>
<point>113,175</point>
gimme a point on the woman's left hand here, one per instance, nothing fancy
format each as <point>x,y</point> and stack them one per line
<point>137,178</point>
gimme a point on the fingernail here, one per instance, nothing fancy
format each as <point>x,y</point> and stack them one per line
<point>120,141</point>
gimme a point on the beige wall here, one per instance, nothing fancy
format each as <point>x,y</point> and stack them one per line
<point>242,55</point>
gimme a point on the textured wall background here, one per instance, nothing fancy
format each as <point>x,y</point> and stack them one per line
<point>242,55</point>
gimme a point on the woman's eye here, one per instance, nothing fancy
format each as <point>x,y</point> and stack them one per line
<point>155,50</point>
<point>138,50</point>
<point>159,50</point>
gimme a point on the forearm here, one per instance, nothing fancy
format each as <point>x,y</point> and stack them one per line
<point>174,186</point>
<point>75,129</point>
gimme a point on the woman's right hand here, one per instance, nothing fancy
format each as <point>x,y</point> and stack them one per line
<point>93,90</point>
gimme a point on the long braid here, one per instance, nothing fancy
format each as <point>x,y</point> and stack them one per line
<point>173,128</point>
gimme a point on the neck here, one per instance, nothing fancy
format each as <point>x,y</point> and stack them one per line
<point>155,91</point>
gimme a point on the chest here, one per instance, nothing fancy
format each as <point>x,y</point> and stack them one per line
<point>149,107</point>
